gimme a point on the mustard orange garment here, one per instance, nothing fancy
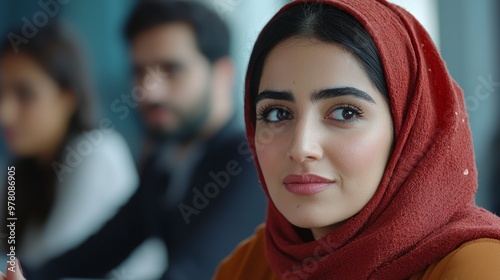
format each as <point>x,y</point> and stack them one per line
<point>248,261</point>
<point>477,259</point>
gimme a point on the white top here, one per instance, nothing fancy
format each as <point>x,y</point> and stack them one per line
<point>97,175</point>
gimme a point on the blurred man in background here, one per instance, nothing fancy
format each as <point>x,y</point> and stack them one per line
<point>199,189</point>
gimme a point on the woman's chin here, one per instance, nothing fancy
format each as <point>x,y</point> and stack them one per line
<point>311,221</point>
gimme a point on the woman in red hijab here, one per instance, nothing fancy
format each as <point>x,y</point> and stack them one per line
<point>362,143</point>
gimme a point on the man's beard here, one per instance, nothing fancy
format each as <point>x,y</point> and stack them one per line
<point>190,123</point>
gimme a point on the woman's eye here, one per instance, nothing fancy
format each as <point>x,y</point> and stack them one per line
<point>344,114</point>
<point>274,115</point>
<point>25,94</point>
<point>277,115</point>
<point>172,71</point>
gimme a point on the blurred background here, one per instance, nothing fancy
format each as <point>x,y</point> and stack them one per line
<point>466,32</point>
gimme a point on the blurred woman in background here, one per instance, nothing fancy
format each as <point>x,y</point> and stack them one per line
<point>71,176</point>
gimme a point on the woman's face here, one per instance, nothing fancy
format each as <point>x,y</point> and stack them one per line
<point>323,133</point>
<point>34,112</point>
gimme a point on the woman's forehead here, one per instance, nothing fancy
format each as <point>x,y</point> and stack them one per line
<point>304,65</point>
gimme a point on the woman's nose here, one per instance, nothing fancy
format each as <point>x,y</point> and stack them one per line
<point>305,144</point>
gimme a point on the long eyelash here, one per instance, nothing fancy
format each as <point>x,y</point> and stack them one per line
<point>356,108</point>
<point>262,112</point>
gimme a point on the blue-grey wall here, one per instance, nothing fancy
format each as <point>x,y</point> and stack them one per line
<point>469,32</point>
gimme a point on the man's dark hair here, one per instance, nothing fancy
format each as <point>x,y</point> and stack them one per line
<point>211,33</point>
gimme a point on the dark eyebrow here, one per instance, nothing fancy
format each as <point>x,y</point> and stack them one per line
<point>343,91</point>
<point>316,96</point>
<point>278,95</point>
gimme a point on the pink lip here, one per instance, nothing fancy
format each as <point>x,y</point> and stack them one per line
<point>306,184</point>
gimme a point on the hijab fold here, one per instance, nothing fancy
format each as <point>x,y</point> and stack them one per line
<point>424,206</point>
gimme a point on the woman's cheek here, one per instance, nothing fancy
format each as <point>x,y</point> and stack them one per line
<point>271,153</point>
<point>363,156</point>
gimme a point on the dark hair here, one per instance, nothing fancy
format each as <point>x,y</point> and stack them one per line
<point>325,23</point>
<point>59,56</point>
<point>211,33</point>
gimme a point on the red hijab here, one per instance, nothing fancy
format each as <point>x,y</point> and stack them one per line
<point>424,207</point>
